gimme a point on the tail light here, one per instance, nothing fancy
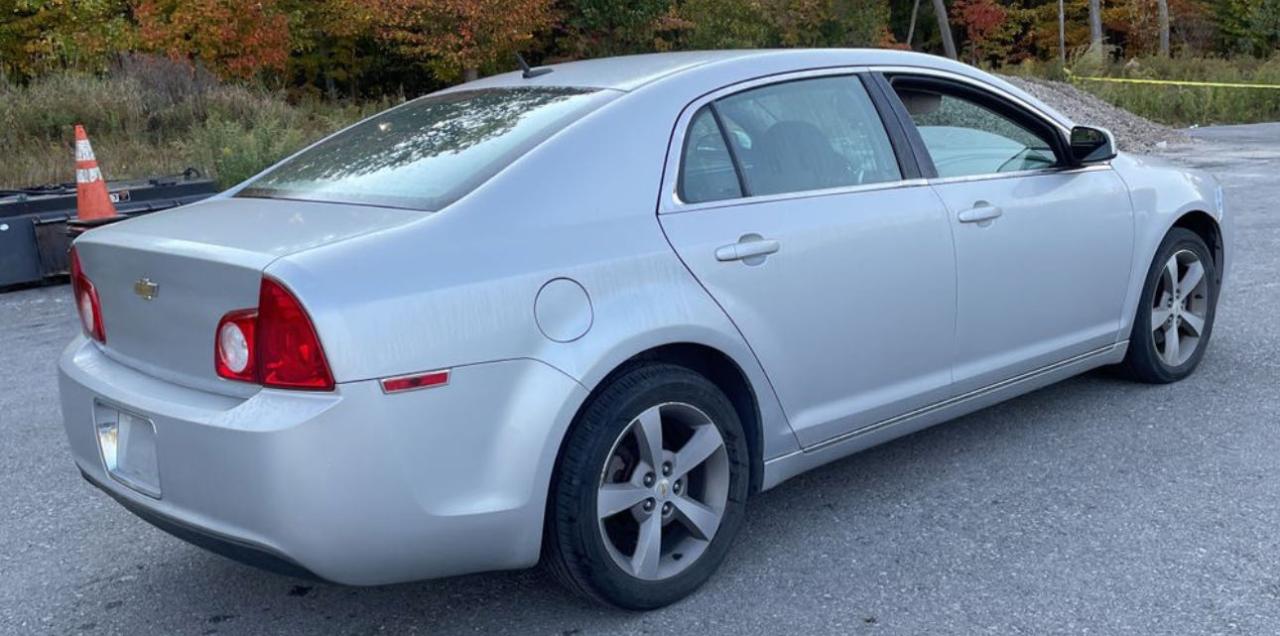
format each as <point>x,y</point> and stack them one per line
<point>87,304</point>
<point>236,348</point>
<point>274,345</point>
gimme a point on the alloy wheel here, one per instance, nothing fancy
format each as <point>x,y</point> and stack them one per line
<point>663,491</point>
<point>1180,306</point>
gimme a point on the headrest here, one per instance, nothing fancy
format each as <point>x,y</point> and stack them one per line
<point>919,102</point>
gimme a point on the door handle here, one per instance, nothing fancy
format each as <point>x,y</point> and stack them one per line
<point>980,212</point>
<point>750,246</point>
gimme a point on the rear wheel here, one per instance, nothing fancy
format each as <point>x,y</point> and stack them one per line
<point>649,490</point>
<point>1175,315</point>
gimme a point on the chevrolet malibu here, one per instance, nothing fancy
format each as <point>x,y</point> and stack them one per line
<point>580,314</point>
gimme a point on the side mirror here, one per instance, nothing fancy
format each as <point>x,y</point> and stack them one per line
<point>1091,145</point>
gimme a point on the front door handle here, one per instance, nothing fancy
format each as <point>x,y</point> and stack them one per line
<point>749,248</point>
<point>980,212</point>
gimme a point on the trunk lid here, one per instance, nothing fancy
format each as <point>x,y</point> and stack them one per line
<point>197,263</point>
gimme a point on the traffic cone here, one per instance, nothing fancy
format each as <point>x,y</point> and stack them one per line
<point>92,200</point>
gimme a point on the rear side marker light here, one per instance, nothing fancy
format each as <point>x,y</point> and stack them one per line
<point>415,381</point>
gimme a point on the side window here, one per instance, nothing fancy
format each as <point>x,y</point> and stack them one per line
<point>706,171</point>
<point>966,138</point>
<point>808,135</point>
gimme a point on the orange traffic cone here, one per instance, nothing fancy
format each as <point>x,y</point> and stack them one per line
<point>92,200</point>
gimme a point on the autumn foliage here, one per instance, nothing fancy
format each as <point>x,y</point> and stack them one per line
<point>232,37</point>
<point>363,48</point>
<point>984,23</point>
<point>460,37</point>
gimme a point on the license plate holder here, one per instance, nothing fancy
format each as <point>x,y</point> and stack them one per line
<point>127,446</point>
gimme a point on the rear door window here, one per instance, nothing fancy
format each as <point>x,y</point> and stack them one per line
<point>808,134</point>
<point>429,152</point>
<point>707,172</point>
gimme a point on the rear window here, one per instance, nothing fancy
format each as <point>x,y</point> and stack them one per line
<point>429,152</point>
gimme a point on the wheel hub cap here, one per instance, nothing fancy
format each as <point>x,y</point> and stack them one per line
<point>663,491</point>
<point>1180,308</point>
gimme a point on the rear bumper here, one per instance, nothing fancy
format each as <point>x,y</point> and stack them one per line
<point>230,547</point>
<point>354,486</point>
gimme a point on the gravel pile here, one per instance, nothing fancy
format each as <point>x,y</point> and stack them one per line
<point>1133,133</point>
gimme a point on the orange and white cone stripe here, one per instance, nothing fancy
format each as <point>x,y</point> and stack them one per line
<point>92,199</point>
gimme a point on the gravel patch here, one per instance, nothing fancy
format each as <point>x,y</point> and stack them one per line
<point>1133,133</point>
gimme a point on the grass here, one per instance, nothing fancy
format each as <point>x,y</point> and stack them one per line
<point>152,117</point>
<point>1181,105</point>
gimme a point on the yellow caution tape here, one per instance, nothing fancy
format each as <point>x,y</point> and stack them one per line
<point>1125,80</point>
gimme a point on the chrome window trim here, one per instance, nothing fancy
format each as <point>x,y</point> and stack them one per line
<point>992,176</point>
<point>671,202</point>
<point>790,196</point>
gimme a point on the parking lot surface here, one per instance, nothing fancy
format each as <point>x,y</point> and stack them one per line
<point>1094,506</point>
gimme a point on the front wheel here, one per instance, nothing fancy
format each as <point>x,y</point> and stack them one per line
<point>649,490</point>
<point>1175,315</point>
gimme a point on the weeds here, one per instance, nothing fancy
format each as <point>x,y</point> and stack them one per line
<point>1180,105</point>
<point>150,117</point>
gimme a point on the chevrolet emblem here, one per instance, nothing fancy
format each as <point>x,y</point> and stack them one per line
<point>146,288</point>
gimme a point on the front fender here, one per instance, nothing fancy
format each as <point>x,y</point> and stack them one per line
<point>1162,193</point>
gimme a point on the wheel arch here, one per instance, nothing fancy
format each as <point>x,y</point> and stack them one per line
<point>729,377</point>
<point>718,367</point>
<point>1207,228</point>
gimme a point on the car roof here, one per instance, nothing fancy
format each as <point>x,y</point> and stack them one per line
<point>624,73</point>
<point>630,72</point>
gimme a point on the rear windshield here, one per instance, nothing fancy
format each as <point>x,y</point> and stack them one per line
<point>429,152</point>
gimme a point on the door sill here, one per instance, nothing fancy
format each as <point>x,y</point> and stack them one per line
<point>959,399</point>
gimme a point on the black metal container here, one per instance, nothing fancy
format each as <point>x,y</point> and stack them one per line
<point>38,224</point>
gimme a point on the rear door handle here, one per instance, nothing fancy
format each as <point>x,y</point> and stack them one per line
<point>748,247</point>
<point>981,211</point>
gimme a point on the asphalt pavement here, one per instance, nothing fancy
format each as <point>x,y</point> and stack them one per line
<point>1095,506</point>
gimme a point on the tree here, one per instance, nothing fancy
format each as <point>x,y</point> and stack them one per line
<point>720,24</point>
<point>38,36</point>
<point>1095,25</point>
<point>984,22</point>
<point>458,38</point>
<point>1062,33</point>
<point>332,42</point>
<point>944,26</point>
<point>828,23</point>
<point>714,24</point>
<point>234,39</point>
<point>911,30</point>
<point>1162,7</point>
<point>598,28</point>
<point>1249,26</point>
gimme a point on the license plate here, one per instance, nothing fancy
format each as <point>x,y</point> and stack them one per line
<point>127,442</point>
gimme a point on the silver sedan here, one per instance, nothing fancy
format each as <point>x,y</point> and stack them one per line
<point>580,314</point>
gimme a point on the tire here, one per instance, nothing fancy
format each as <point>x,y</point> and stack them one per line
<point>1149,358</point>
<point>585,546</point>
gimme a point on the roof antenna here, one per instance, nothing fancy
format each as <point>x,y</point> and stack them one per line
<point>529,71</point>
